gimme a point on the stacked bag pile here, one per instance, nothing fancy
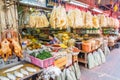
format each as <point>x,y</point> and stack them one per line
<point>70,73</point>
<point>96,58</point>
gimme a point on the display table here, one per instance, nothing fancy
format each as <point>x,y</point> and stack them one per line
<point>25,64</point>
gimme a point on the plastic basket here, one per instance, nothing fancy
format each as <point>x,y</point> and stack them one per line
<point>42,63</point>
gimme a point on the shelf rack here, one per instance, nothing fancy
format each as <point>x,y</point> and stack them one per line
<point>82,57</point>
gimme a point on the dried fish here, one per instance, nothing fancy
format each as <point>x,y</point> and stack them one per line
<point>18,74</point>
<point>3,78</point>
<point>30,69</point>
<point>11,76</point>
<point>24,72</point>
<point>13,68</point>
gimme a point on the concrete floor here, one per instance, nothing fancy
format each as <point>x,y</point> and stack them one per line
<point>107,71</point>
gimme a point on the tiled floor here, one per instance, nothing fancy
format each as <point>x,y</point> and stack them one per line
<point>107,71</point>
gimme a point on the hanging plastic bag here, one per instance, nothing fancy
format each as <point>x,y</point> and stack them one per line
<point>103,59</point>
<point>91,61</point>
<point>63,75</point>
<point>77,70</point>
<point>72,73</point>
<point>95,58</point>
<point>107,50</point>
<point>98,58</point>
<point>72,68</point>
<point>59,77</point>
<point>68,75</point>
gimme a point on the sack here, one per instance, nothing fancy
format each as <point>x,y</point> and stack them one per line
<point>77,71</point>
<point>107,51</point>
<point>59,77</point>
<point>103,59</point>
<point>91,61</point>
<point>72,73</point>
<point>95,59</point>
<point>63,75</point>
<point>98,58</point>
<point>68,75</point>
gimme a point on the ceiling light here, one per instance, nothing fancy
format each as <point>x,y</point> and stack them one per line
<point>79,4</point>
<point>97,10</point>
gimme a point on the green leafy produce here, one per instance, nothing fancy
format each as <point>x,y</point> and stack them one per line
<point>33,54</point>
<point>44,55</point>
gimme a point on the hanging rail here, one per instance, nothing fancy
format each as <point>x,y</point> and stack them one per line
<point>34,6</point>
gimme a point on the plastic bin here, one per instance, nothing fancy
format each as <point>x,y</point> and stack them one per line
<point>42,63</point>
<point>86,46</point>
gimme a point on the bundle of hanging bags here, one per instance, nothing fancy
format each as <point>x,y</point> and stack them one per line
<point>70,73</point>
<point>97,58</point>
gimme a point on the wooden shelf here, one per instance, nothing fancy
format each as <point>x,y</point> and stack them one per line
<point>82,60</point>
<point>90,51</point>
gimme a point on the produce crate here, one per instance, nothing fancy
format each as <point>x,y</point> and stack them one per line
<point>61,62</point>
<point>42,63</point>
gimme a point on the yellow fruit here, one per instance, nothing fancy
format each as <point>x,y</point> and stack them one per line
<point>63,46</point>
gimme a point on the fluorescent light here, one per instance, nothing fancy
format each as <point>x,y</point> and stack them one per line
<point>79,4</point>
<point>97,10</point>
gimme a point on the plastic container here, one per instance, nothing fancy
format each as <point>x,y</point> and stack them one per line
<point>42,63</point>
<point>86,46</point>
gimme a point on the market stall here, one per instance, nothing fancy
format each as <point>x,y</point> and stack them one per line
<point>34,58</point>
<point>47,43</point>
